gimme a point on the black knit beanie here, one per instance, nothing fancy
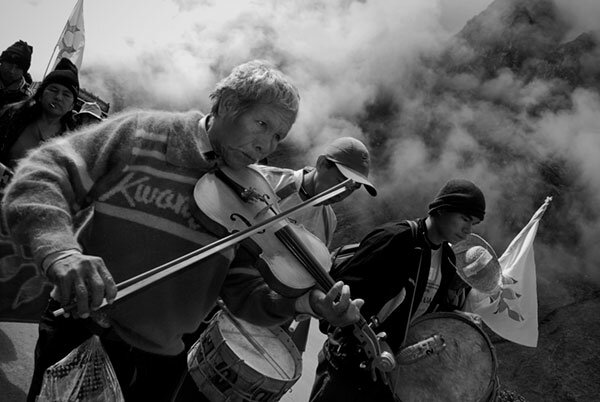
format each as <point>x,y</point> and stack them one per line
<point>65,73</point>
<point>18,53</point>
<point>462,196</point>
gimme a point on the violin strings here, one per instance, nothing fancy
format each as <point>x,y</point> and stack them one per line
<point>312,266</point>
<point>322,277</point>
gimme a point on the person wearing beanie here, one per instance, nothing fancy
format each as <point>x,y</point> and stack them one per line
<point>460,195</point>
<point>14,66</point>
<point>45,115</point>
<point>403,270</point>
<point>66,74</point>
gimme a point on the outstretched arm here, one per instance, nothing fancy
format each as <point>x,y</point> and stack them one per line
<point>49,187</point>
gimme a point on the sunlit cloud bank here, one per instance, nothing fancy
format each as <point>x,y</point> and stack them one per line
<point>380,71</point>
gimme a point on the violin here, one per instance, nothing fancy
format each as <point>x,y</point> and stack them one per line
<point>295,259</point>
<point>239,199</point>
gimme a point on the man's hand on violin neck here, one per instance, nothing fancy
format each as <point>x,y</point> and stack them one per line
<point>83,279</point>
<point>336,306</point>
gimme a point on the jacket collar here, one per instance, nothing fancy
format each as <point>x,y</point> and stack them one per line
<point>192,149</point>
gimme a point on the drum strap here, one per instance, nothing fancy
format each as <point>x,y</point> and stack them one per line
<point>412,298</point>
<point>389,307</point>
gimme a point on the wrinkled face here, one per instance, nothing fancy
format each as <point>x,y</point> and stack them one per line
<point>454,226</point>
<point>57,100</point>
<point>327,176</point>
<point>10,72</point>
<point>251,136</point>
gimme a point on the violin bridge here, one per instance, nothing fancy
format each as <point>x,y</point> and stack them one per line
<point>263,211</point>
<point>250,194</point>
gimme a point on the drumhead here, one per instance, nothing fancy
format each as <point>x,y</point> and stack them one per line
<point>274,358</point>
<point>228,366</point>
<point>463,371</point>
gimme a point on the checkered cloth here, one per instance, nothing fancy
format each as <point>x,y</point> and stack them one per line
<point>85,374</point>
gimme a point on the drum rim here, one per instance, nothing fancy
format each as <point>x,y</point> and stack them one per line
<point>281,336</point>
<point>284,385</point>
<point>492,385</point>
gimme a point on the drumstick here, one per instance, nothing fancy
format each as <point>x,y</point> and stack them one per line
<point>263,352</point>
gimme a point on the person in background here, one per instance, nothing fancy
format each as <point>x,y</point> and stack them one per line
<point>391,264</point>
<point>344,158</point>
<point>14,77</point>
<point>138,169</point>
<point>89,113</point>
<point>45,115</point>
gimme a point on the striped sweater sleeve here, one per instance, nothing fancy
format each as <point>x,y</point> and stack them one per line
<point>52,183</point>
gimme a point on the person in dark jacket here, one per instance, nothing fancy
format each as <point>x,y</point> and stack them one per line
<point>14,77</point>
<point>45,115</point>
<point>392,265</point>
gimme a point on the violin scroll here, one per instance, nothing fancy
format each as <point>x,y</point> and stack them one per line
<point>379,355</point>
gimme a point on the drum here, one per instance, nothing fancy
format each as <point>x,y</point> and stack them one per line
<point>447,358</point>
<point>234,360</point>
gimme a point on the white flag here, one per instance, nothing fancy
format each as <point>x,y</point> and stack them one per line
<point>72,39</point>
<point>511,312</point>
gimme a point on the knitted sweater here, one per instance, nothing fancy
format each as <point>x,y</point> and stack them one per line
<point>138,170</point>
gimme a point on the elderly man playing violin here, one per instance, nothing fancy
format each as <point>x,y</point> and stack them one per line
<point>138,169</point>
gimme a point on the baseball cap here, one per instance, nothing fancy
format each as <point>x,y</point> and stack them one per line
<point>352,159</point>
<point>91,108</point>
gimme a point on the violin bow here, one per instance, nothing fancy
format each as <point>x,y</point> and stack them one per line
<point>161,272</point>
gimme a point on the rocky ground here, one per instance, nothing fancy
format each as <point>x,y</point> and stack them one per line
<point>565,365</point>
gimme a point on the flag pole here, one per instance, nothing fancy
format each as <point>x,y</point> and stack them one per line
<point>50,61</point>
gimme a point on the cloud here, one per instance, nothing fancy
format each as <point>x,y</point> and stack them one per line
<point>582,15</point>
<point>371,70</point>
<point>338,53</point>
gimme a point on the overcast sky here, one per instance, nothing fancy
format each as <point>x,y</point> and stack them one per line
<point>120,29</point>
